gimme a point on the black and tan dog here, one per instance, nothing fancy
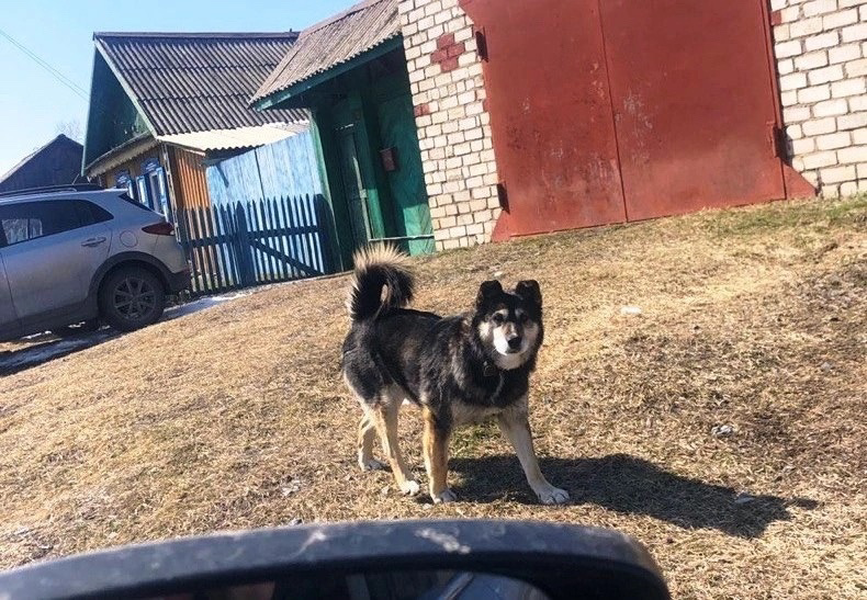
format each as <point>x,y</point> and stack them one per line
<point>460,369</point>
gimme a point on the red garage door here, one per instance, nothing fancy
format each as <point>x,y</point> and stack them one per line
<point>615,110</point>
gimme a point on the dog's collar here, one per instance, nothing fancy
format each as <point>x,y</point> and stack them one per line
<point>489,369</point>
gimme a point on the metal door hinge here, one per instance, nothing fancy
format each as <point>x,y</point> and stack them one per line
<point>779,144</point>
<point>481,44</point>
<point>503,196</point>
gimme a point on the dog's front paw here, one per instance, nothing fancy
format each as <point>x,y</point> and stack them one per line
<point>445,496</point>
<point>410,487</point>
<point>371,464</point>
<point>551,495</point>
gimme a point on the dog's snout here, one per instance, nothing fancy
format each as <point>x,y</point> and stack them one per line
<point>515,342</point>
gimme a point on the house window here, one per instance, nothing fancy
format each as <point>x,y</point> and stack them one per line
<point>124,181</point>
<point>142,191</point>
<point>158,196</point>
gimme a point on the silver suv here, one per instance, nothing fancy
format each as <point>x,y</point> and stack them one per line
<point>80,254</point>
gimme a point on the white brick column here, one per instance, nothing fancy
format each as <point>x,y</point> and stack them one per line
<point>821,51</point>
<point>454,130</point>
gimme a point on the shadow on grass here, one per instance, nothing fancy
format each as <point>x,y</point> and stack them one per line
<point>36,350</point>
<point>629,485</point>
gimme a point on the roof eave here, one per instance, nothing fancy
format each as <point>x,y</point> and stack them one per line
<point>129,149</point>
<point>273,99</point>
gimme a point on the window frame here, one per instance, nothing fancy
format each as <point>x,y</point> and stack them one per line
<point>76,211</point>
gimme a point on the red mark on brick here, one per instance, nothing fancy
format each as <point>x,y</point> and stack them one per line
<point>777,17</point>
<point>444,41</point>
<point>421,109</point>
<point>438,56</point>
<point>456,49</point>
<point>449,64</point>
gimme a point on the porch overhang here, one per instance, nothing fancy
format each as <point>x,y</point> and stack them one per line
<point>323,51</point>
<point>295,90</point>
<point>123,153</point>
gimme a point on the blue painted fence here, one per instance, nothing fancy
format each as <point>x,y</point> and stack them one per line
<point>285,168</point>
<point>255,242</point>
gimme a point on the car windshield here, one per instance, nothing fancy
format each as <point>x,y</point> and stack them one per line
<point>278,263</point>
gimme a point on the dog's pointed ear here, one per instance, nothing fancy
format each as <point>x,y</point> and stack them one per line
<point>487,291</point>
<point>529,290</point>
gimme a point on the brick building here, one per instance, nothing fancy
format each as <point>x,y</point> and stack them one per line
<point>821,51</point>
<point>454,130</point>
<point>555,114</point>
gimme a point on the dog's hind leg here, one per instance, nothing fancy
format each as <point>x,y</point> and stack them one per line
<point>385,417</point>
<point>436,459</point>
<point>366,436</point>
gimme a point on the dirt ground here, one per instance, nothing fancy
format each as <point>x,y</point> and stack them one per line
<point>723,426</point>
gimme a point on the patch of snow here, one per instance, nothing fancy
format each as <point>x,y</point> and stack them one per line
<point>201,304</point>
<point>35,355</point>
<point>722,430</point>
<point>630,311</point>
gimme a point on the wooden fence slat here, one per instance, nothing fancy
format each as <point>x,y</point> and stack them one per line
<point>314,221</point>
<point>228,231</point>
<point>278,238</point>
<point>245,253</point>
<point>302,240</point>
<point>213,282</point>
<point>311,237</point>
<point>262,236</point>
<point>268,238</point>
<point>195,254</point>
<point>220,243</point>
<point>290,245</point>
<point>297,238</point>
<point>207,271</point>
<point>185,244</point>
<point>217,259</point>
<point>253,226</point>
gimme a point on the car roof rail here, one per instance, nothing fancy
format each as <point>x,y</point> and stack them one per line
<point>49,189</point>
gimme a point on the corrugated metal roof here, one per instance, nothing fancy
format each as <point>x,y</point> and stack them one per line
<point>332,42</point>
<point>228,139</point>
<point>188,82</point>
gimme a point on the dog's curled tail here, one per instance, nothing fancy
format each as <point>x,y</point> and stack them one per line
<point>377,267</point>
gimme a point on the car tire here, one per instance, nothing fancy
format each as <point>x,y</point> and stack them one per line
<point>131,298</point>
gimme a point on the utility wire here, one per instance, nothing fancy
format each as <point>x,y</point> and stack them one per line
<point>54,72</point>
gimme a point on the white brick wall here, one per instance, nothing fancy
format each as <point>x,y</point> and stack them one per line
<point>453,124</point>
<point>821,50</point>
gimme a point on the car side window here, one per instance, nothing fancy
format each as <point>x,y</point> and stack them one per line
<point>26,221</point>
<point>89,213</point>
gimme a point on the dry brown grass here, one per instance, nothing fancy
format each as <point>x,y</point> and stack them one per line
<point>236,417</point>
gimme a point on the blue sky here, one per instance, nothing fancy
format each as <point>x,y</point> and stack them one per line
<point>33,103</point>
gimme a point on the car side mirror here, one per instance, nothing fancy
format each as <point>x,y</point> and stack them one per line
<point>398,560</point>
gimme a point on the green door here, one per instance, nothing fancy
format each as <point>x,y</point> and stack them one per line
<point>356,195</point>
<point>405,176</point>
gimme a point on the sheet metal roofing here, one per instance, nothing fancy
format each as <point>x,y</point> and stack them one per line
<point>332,42</point>
<point>228,139</point>
<point>190,82</point>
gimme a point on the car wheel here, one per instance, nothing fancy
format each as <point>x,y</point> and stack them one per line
<point>131,298</point>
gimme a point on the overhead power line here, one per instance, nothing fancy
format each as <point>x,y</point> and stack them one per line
<point>78,90</point>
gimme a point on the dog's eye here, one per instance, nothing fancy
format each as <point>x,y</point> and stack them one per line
<point>497,319</point>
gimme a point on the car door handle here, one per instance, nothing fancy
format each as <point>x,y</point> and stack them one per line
<point>95,241</point>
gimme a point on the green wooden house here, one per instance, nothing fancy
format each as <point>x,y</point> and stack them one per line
<point>351,72</point>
